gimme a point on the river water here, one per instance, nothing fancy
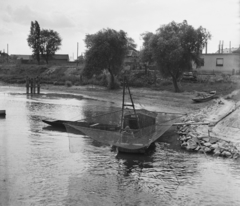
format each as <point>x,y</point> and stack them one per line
<point>43,166</point>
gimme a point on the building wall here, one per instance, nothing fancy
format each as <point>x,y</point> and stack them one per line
<point>58,61</point>
<point>230,62</point>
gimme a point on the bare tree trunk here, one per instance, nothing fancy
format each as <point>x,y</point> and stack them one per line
<point>111,85</point>
<point>112,81</point>
<point>175,84</point>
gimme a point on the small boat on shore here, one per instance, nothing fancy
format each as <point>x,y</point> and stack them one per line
<point>204,97</point>
<point>2,113</point>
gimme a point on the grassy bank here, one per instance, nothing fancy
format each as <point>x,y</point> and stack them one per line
<point>66,78</point>
<point>50,74</point>
<point>60,74</point>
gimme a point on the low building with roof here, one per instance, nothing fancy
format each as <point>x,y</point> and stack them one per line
<point>28,59</point>
<point>226,61</point>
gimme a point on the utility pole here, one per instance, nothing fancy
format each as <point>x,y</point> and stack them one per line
<point>77,53</point>
<point>7,53</point>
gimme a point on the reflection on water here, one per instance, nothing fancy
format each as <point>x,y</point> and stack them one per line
<point>40,165</point>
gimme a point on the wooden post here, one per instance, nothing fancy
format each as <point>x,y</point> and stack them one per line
<point>31,85</point>
<point>38,85</point>
<point>27,85</point>
<point>34,85</point>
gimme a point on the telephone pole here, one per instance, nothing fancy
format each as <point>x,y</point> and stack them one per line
<point>77,53</point>
<point>7,53</point>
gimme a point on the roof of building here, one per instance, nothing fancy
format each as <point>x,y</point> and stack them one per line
<point>237,50</point>
<point>61,56</point>
<point>219,54</point>
<point>28,57</point>
<point>22,56</point>
<point>227,50</point>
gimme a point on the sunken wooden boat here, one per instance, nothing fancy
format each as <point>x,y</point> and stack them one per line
<point>57,123</point>
<point>205,97</point>
<point>61,124</point>
<point>129,130</point>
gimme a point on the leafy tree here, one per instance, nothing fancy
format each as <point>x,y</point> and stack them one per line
<point>34,40</point>
<point>131,43</point>
<point>50,43</point>
<point>80,59</point>
<point>176,46</point>
<point>146,55</point>
<point>105,50</point>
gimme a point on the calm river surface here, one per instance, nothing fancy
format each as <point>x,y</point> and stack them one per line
<point>42,166</point>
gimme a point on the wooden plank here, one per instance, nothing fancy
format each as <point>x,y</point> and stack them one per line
<point>191,123</point>
<point>94,125</point>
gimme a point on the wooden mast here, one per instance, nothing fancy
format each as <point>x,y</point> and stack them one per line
<point>125,84</point>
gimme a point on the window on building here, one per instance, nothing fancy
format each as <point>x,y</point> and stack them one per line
<point>219,62</point>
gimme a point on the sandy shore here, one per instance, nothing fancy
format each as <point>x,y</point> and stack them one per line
<point>143,97</point>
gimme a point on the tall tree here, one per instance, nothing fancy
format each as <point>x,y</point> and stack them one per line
<point>176,46</point>
<point>146,55</point>
<point>105,50</point>
<point>131,43</point>
<point>50,42</point>
<point>34,40</point>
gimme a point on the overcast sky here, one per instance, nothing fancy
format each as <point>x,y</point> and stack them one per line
<point>73,19</point>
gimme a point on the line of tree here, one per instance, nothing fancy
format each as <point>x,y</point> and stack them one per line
<point>106,50</point>
<point>44,43</point>
<point>174,48</point>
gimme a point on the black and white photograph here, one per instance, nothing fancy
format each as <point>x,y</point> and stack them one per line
<point>120,103</point>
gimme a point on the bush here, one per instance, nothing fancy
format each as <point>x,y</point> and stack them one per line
<point>138,83</point>
<point>166,83</point>
<point>68,83</point>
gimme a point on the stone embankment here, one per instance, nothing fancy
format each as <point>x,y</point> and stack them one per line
<point>195,131</point>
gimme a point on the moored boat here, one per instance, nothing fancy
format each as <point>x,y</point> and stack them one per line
<point>203,97</point>
<point>136,135</point>
<point>129,130</point>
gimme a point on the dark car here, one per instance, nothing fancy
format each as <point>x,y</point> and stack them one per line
<point>189,76</point>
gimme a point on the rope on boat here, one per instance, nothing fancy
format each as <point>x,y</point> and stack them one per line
<point>168,121</point>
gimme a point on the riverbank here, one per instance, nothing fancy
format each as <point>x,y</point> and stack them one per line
<point>148,98</point>
<point>214,129</point>
<point>220,139</point>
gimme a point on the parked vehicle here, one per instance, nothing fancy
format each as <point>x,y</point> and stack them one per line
<point>189,76</point>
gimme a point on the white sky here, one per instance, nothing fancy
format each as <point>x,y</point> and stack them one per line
<point>73,19</point>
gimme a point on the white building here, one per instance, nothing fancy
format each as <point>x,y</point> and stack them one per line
<point>220,63</point>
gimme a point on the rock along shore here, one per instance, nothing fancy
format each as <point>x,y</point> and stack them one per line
<point>195,132</point>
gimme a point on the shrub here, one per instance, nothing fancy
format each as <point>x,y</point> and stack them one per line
<point>166,83</point>
<point>68,83</point>
<point>137,83</point>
